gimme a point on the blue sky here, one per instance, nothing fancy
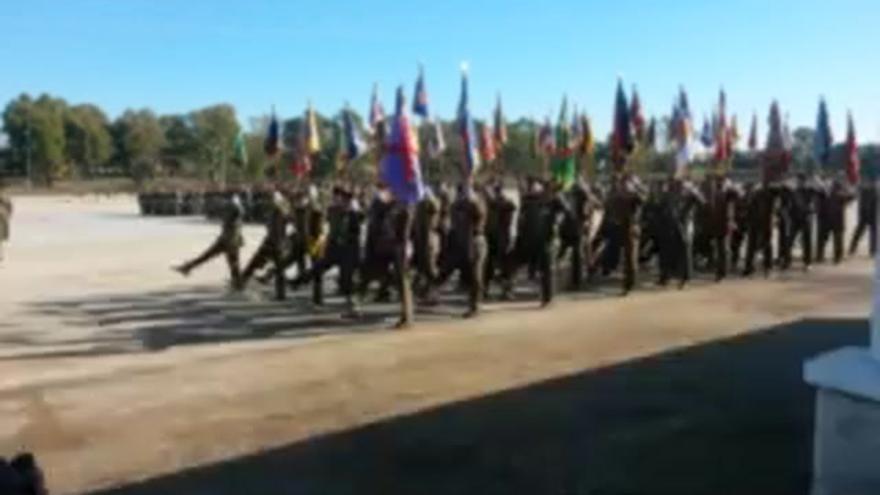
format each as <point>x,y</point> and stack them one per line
<point>177,55</point>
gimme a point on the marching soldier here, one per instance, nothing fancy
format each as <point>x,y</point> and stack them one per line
<point>343,249</point>
<point>467,245</point>
<point>540,210</point>
<point>499,222</point>
<point>867,219</point>
<point>576,229</point>
<point>721,203</point>
<point>5,221</point>
<point>833,223</point>
<point>426,243</point>
<point>761,211</point>
<point>624,208</point>
<point>379,251</point>
<point>228,243</point>
<point>802,202</point>
<point>273,247</point>
<point>675,215</point>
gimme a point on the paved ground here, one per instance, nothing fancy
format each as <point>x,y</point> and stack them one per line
<point>115,370</point>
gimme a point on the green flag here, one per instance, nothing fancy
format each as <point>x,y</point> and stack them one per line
<point>241,156</point>
<point>563,168</point>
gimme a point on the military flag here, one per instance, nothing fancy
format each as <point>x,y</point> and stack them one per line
<point>466,131</point>
<point>621,137</point>
<point>852,151</point>
<point>638,119</point>
<point>240,150</point>
<point>722,132</point>
<point>500,125</point>
<point>376,113</point>
<point>272,144</point>
<point>436,141</point>
<point>586,141</point>
<point>823,139</point>
<point>312,136</point>
<point>706,135</point>
<point>420,98</point>
<point>546,142</point>
<point>753,134</point>
<point>487,144</point>
<point>563,168</point>
<point>651,134</point>
<point>680,133</point>
<point>776,155</point>
<point>401,170</point>
<point>353,144</point>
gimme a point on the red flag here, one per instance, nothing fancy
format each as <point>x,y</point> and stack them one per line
<point>638,119</point>
<point>852,152</point>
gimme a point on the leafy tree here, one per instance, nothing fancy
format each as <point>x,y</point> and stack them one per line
<point>36,130</point>
<point>88,142</point>
<point>214,130</point>
<point>139,139</point>
<point>180,150</point>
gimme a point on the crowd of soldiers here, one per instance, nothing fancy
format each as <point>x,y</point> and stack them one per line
<point>715,225</point>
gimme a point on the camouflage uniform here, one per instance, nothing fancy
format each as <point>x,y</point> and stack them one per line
<point>499,222</point>
<point>675,215</point>
<point>833,219</point>
<point>273,247</point>
<point>467,247</point>
<point>228,243</point>
<point>867,218</point>
<point>426,243</point>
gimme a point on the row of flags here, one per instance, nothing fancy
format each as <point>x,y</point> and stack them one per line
<point>396,138</point>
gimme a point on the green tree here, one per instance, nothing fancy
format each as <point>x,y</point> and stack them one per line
<point>87,138</point>
<point>139,139</point>
<point>214,130</point>
<point>180,150</point>
<point>36,135</point>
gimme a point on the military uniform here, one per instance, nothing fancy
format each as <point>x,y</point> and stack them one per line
<point>867,219</point>
<point>499,222</point>
<point>675,216</point>
<point>5,221</point>
<point>623,212</point>
<point>536,237</point>
<point>575,231</point>
<point>273,247</point>
<point>467,246</point>
<point>342,250</point>
<point>720,205</point>
<point>228,243</point>
<point>761,212</point>
<point>802,203</point>
<point>379,252</point>
<point>426,244</point>
<point>833,219</point>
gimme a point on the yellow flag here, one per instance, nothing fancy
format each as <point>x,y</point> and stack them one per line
<point>313,139</point>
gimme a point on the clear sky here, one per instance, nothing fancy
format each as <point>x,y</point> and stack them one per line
<point>177,55</point>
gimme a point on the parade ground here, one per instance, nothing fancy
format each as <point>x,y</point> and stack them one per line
<point>125,378</point>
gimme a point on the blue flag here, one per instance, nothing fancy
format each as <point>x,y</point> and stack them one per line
<point>401,170</point>
<point>823,141</point>
<point>467,132</point>
<point>420,99</point>
<point>272,145</point>
<point>354,142</point>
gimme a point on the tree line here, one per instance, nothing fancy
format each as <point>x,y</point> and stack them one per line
<point>50,139</point>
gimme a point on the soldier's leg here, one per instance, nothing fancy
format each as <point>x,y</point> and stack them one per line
<point>630,261</point>
<point>280,281</point>
<point>347,267</point>
<point>217,248</point>
<point>806,229</point>
<point>838,243</point>
<point>722,256</point>
<point>401,275</point>
<point>767,249</point>
<point>857,236</point>
<point>751,251</point>
<point>685,260</point>
<point>822,241</point>
<point>577,263</point>
<point>257,261</point>
<point>872,236</point>
<point>232,260</point>
<point>475,277</point>
<point>544,262</point>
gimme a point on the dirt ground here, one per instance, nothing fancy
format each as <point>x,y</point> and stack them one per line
<point>125,378</point>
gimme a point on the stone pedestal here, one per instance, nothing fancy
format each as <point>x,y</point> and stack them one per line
<point>846,441</point>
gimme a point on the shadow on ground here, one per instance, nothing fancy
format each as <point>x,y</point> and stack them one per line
<point>728,417</point>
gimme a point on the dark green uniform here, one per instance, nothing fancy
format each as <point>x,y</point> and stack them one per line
<point>675,236</point>
<point>499,222</point>
<point>426,244</point>
<point>833,219</point>
<point>467,247</point>
<point>720,207</point>
<point>5,221</point>
<point>867,218</point>
<point>761,212</point>
<point>379,252</point>
<point>575,231</point>
<point>273,247</point>
<point>342,250</point>
<point>536,237</point>
<point>623,211</point>
<point>228,243</point>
